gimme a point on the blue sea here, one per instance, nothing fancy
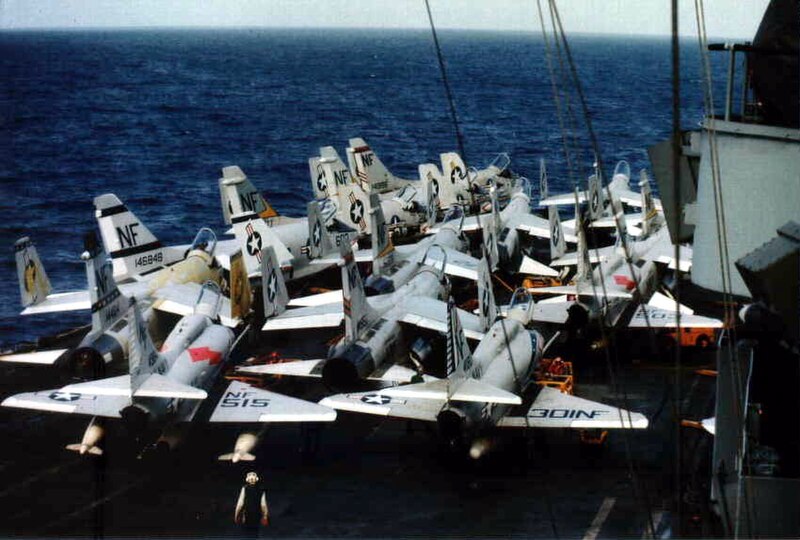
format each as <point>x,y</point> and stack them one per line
<point>153,115</point>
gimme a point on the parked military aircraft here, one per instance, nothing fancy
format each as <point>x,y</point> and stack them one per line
<point>376,328</point>
<point>170,290</point>
<point>606,292</point>
<point>164,390</point>
<point>480,389</point>
<point>347,199</point>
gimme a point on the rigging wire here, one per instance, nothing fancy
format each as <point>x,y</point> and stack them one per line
<point>724,258</point>
<point>559,30</point>
<point>676,182</point>
<point>446,83</point>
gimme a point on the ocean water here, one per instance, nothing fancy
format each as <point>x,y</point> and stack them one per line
<point>153,115</point>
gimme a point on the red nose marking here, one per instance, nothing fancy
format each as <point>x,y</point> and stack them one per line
<point>625,281</point>
<point>201,354</point>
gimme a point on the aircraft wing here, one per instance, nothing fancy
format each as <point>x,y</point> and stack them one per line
<point>540,227</point>
<point>361,255</point>
<point>37,357</point>
<point>595,256</point>
<point>59,400</point>
<point>432,314</point>
<point>468,389</point>
<point>554,409</point>
<point>458,264</point>
<point>181,298</point>
<point>380,404</point>
<point>322,316</point>
<point>56,302</point>
<point>155,385</point>
<point>470,223</point>
<point>664,253</point>
<point>559,200</point>
<point>244,403</point>
<point>634,198</point>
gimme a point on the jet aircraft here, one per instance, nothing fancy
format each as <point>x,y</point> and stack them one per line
<point>163,391</point>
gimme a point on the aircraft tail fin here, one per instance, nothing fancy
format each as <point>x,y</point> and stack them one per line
<point>34,286</point>
<point>319,239</point>
<point>129,243</point>
<point>108,304</point>
<point>240,195</point>
<point>254,235</point>
<point>543,189</point>
<point>459,357</point>
<point>455,187</point>
<point>382,246</point>
<point>370,171</point>
<point>584,266</point>
<point>648,207</point>
<point>596,203</point>
<point>486,302</point>
<point>491,231</point>
<point>353,208</point>
<point>557,243</point>
<point>274,290</point>
<point>143,358</point>
<point>319,182</point>
<point>429,174</point>
<point>241,295</point>
<point>354,301</point>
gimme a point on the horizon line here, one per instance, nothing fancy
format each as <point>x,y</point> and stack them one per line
<point>340,28</point>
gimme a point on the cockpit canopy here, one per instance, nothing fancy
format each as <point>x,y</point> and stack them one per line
<point>205,240</point>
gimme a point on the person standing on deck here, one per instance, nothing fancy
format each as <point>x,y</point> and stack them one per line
<point>251,508</point>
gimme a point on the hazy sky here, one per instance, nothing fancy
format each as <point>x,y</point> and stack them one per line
<point>724,18</point>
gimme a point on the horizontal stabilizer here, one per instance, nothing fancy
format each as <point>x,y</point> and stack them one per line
<point>554,409</point>
<point>58,302</point>
<point>163,387</point>
<point>83,449</point>
<point>246,456</point>
<point>467,390</point>
<point>560,200</point>
<point>540,227</point>
<point>244,403</point>
<point>535,268</point>
<point>36,357</point>
<point>430,313</point>
<point>313,368</point>
<point>595,256</point>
